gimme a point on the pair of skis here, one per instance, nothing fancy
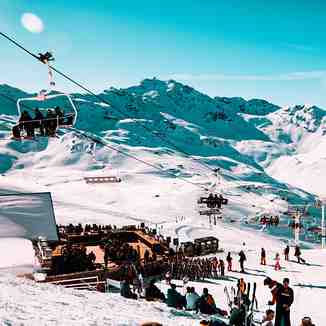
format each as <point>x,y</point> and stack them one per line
<point>230,297</point>
<point>250,313</point>
<point>249,306</point>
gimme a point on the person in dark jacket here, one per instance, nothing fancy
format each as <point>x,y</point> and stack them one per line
<point>125,290</point>
<point>59,115</point>
<point>242,259</point>
<point>39,123</point>
<point>297,253</point>
<point>174,298</point>
<point>263,257</point>
<point>229,261</point>
<point>152,292</point>
<point>286,253</point>
<point>25,122</point>
<point>16,131</point>
<point>206,303</point>
<point>284,300</point>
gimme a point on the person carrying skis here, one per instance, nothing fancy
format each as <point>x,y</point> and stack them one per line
<point>284,300</point>
<point>286,253</point>
<point>229,261</point>
<point>263,257</point>
<point>242,259</point>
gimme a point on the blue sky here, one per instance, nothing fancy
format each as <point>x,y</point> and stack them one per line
<point>273,50</point>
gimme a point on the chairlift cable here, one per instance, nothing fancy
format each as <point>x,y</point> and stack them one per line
<point>62,74</point>
<point>97,139</point>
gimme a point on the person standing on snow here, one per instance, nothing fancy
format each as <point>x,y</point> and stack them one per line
<point>277,262</point>
<point>242,259</point>
<point>242,286</point>
<point>284,300</point>
<point>286,253</point>
<point>297,253</point>
<point>263,257</point>
<point>229,261</point>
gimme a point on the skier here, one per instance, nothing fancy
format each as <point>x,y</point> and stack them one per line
<point>284,300</point>
<point>286,253</point>
<point>229,261</point>
<point>263,257</point>
<point>297,253</point>
<point>242,259</point>
<point>277,262</point>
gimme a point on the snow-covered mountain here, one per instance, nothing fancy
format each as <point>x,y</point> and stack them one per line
<point>251,139</point>
<point>265,153</point>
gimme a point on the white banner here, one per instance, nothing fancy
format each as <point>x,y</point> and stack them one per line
<point>27,216</point>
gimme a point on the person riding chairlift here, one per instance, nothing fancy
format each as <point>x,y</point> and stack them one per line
<point>59,114</point>
<point>25,122</point>
<point>50,123</point>
<point>39,123</point>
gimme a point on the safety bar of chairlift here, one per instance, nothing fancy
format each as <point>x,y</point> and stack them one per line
<point>48,97</point>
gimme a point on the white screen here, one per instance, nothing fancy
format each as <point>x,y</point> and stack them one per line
<point>27,216</point>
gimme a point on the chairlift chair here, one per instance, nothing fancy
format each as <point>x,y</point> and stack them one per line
<point>45,95</point>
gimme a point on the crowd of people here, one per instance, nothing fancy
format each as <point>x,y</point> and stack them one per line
<point>282,298</point>
<point>117,250</point>
<point>76,259</point>
<point>46,124</point>
<point>78,229</point>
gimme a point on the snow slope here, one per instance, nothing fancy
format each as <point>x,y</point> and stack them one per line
<point>264,153</point>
